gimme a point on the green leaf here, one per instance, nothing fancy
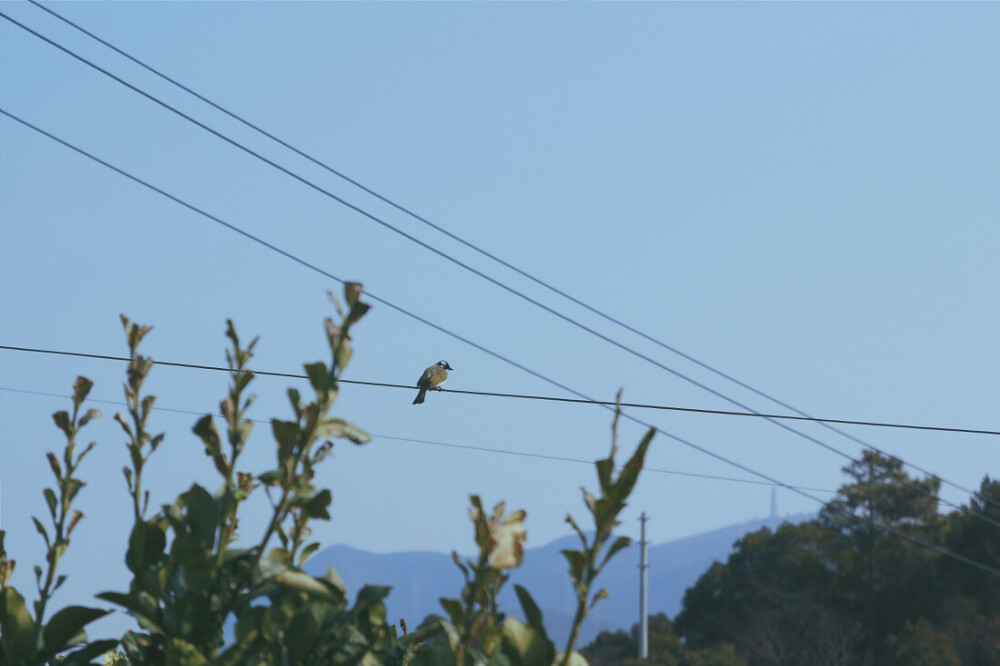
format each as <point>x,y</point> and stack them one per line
<point>601,594</point>
<point>90,416</point>
<point>296,399</point>
<point>454,609</point>
<point>577,564</point>
<point>352,292</point>
<point>270,478</point>
<point>50,499</point>
<point>66,626</point>
<point>41,530</point>
<point>531,611</point>
<point>358,310</point>
<point>155,442</point>
<point>81,388</point>
<point>371,594</point>
<point>73,486</point>
<point>61,419</point>
<point>193,563</point>
<point>146,544</point>
<point>87,449</point>
<point>317,504</point>
<point>146,407</point>
<point>344,354</point>
<point>205,429</point>
<point>303,582</point>
<point>142,606</point>
<point>307,551</point>
<point>17,629</point>
<point>622,488</point>
<point>120,418</point>
<point>531,646</point>
<point>202,515</point>
<point>605,467</point>
<point>231,334</point>
<point>319,376</point>
<point>54,464</point>
<point>286,433</point>
<point>333,578</point>
<point>618,544</point>
<point>576,528</point>
<point>89,651</point>
<point>369,608</point>
<point>134,333</point>
<point>336,303</point>
<point>458,562</point>
<point>339,428</point>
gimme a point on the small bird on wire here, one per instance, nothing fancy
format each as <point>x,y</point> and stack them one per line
<point>433,377</point>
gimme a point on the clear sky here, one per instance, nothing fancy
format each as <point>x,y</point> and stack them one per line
<point>802,195</point>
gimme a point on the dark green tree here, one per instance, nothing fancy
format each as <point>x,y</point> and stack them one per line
<point>783,597</point>
<point>621,648</point>
<point>979,540</point>
<point>858,584</point>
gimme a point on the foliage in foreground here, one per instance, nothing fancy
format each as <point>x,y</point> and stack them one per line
<point>190,575</point>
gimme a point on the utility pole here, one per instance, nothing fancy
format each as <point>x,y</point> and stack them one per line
<point>643,593</point>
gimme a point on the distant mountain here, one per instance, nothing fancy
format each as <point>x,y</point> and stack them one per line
<point>418,579</point>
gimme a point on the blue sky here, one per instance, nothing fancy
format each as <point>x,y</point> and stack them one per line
<point>802,195</point>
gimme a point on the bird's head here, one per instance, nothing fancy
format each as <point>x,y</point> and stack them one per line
<point>444,364</point>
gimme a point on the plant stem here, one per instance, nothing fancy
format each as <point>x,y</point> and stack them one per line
<point>59,522</point>
<point>581,598</point>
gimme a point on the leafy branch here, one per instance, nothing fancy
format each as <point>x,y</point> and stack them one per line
<point>140,444</point>
<point>586,563</point>
<point>27,640</point>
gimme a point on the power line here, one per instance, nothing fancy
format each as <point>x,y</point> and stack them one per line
<point>450,445</point>
<point>290,375</point>
<point>826,423</point>
<point>459,263</point>
<point>801,490</point>
<point>427,442</point>
<point>467,341</point>
<point>522,396</point>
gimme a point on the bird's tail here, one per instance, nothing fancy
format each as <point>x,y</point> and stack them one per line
<point>419,400</point>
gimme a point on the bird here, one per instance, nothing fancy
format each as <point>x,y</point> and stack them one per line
<point>433,377</point>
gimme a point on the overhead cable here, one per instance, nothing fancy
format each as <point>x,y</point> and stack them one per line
<point>408,387</point>
<point>526,396</point>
